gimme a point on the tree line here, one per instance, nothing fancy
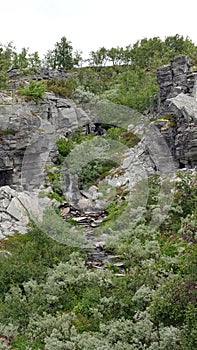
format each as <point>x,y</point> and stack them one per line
<point>142,53</point>
<point>122,75</point>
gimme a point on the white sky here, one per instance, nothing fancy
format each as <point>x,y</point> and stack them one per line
<point>91,24</point>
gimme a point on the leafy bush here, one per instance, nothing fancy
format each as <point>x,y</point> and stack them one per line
<point>62,87</point>
<point>95,171</point>
<point>30,256</point>
<point>122,135</point>
<point>66,144</point>
<point>34,90</point>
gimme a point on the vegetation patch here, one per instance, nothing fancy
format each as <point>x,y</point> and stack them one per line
<point>169,119</point>
<point>34,90</point>
<point>123,136</point>
<point>95,171</point>
<point>66,144</point>
<point>62,87</point>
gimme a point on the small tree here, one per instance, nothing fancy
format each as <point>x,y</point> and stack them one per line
<point>6,56</point>
<point>34,60</point>
<point>62,55</point>
<point>99,57</point>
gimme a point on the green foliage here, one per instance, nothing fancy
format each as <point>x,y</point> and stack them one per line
<point>123,75</point>
<point>66,144</point>
<point>34,90</point>
<point>184,204</point>
<point>122,135</point>
<point>95,82</point>
<point>95,171</point>
<point>135,88</point>
<point>131,80</point>
<point>54,177</point>
<point>175,303</point>
<point>50,298</point>
<point>9,58</point>
<point>6,54</point>
<point>30,256</point>
<point>56,196</point>
<point>114,209</point>
<point>61,57</point>
<point>62,87</point>
<point>91,172</point>
<point>3,79</point>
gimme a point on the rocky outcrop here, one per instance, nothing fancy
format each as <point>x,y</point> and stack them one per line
<point>15,78</point>
<point>173,79</point>
<point>28,132</point>
<point>17,208</point>
<point>185,141</point>
<point>177,107</point>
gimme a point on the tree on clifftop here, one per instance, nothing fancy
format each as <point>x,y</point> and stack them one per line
<point>61,57</point>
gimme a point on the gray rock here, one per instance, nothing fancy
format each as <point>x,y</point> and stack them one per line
<point>29,132</point>
<point>185,141</point>
<point>178,97</point>
<point>18,211</point>
<point>174,79</point>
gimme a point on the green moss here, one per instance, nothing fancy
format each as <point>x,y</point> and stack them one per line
<point>7,132</point>
<point>169,119</point>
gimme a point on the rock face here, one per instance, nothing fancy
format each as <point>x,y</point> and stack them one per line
<point>185,141</point>
<point>28,133</point>
<point>177,97</point>
<point>173,79</point>
<point>15,78</point>
<point>16,209</point>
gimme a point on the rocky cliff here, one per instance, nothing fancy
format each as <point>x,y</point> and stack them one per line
<point>28,133</point>
<point>177,109</point>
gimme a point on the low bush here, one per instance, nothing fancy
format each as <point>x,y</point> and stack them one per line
<point>62,87</point>
<point>34,90</point>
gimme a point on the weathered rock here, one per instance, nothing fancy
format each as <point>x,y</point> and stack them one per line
<point>178,98</point>
<point>15,78</point>
<point>17,211</point>
<point>28,134</point>
<point>185,109</point>
<point>17,208</point>
<point>174,79</point>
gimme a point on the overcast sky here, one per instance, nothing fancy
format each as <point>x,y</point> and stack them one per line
<point>91,24</point>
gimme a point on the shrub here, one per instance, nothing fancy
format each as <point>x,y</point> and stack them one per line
<point>94,171</point>
<point>62,87</point>
<point>34,90</point>
<point>122,135</point>
<point>30,256</point>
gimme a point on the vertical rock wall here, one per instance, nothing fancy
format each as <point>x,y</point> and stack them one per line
<point>177,99</point>
<point>28,134</point>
